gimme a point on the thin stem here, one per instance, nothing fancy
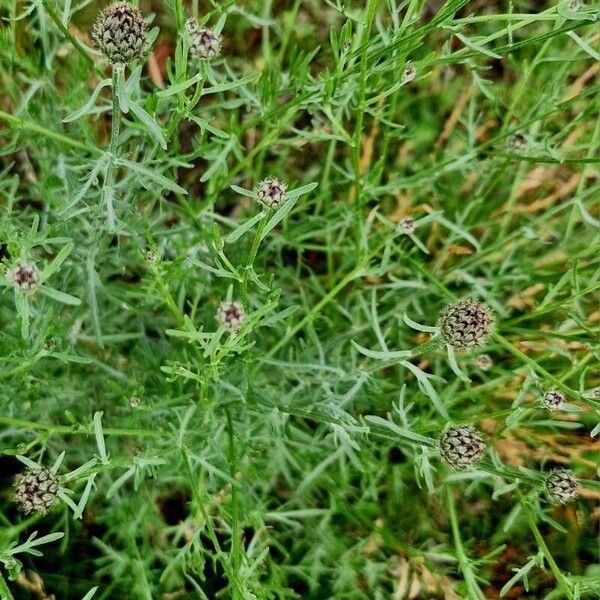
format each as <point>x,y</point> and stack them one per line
<point>534,365</point>
<point>251,258</point>
<point>463,559</point>
<point>357,145</point>
<point>5,593</point>
<point>76,430</point>
<point>18,123</point>
<point>315,310</point>
<point>558,574</point>
<point>235,524</point>
<point>109,181</point>
<point>207,520</point>
<point>51,10</point>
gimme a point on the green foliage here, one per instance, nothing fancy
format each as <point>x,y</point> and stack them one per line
<point>432,151</point>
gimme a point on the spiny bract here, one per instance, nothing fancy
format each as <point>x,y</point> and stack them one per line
<point>466,324</point>
<point>461,447</point>
<point>121,34</point>
<point>36,490</point>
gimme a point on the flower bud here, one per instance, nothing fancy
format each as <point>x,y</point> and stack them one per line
<point>466,324</point>
<point>553,400</point>
<point>461,447</point>
<point>36,490</point>
<point>271,193</point>
<point>204,43</point>
<point>561,486</point>
<point>484,362</point>
<point>24,277</point>
<point>407,225</point>
<point>231,315</point>
<point>121,34</point>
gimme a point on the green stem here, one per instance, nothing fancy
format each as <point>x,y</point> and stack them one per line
<point>207,520</point>
<point>357,146</point>
<point>463,560</point>
<point>558,574</point>
<point>51,10</point>
<point>315,310</point>
<point>533,364</point>
<point>5,593</point>
<point>72,430</point>
<point>235,524</point>
<point>252,259</point>
<point>109,181</point>
<point>18,123</point>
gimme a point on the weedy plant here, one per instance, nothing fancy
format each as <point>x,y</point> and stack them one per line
<point>299,299</point>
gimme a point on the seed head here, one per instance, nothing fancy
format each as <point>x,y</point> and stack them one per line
<point>461,447</point>
<point>151,256</point>
<point>231,315</point>
<point>484,362</point>
<point>36,490</point>
<point>561,486</point>
<point>204,43</point>
<point>121,34</point>
<point>407,225</point>
<point>24,277</point>
<point>595,393</point>
<point>135,401</point>
<point>271,193</point>
<point>466,324</point>
<point>553,400</point>
<point>575,5</point>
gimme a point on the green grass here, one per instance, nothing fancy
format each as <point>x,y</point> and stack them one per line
<point>299,459</point>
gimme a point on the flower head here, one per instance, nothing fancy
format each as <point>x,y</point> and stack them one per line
<point>461,447</point>
<point>271,193</point>
<point>466,324</point>
<point>553,400</point>
<point>561,486</point>
<point>36,490</point>
<point>204,43</point>
<point>121,34</point>
<point>231,315</point>
<point>407,225</point>
<point>24,277</point>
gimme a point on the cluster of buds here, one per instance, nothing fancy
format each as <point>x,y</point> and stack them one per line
<point>24,277</point>
<point>466,324</point>
<point>231,315</point>
<point>204,43</point>
<point>271,193</point>
<point>561,486</point>
<point>121,34</point>
<point>36,490</point>
<point>461,447</point>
